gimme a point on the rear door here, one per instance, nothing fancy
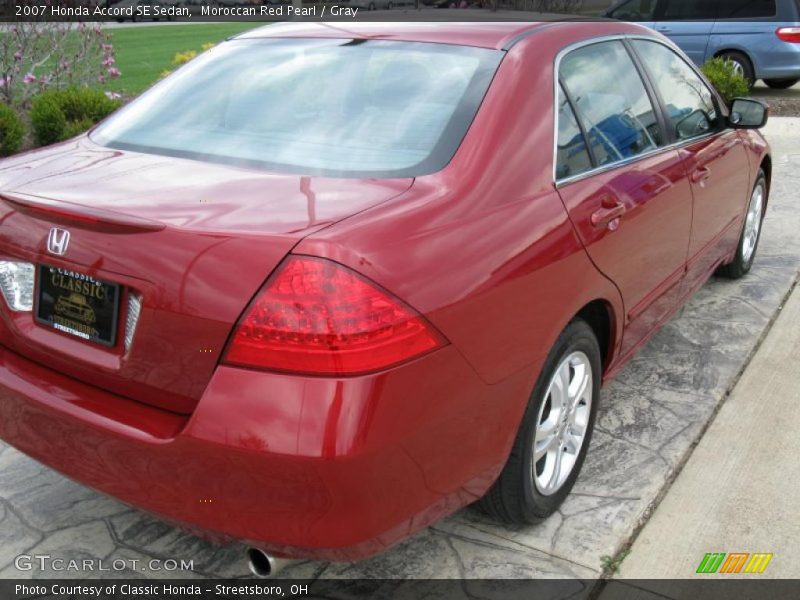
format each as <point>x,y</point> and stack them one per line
<point>626,193</point>
<point>688,23</point>
<point>714,158</point>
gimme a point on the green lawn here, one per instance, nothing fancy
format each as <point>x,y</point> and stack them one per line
<point>144,52</point>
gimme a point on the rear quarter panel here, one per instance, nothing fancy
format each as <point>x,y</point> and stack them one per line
<point>484,248</point>
<point>771,57</point>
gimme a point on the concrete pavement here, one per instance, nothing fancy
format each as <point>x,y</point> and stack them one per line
<point>738,491</point>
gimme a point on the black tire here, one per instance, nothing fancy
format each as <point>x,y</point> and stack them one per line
<point>389,6</point>
<point>740,266</point>
<point>371,6</point>
<point>781,84</point>
<point>746,64</point>
<point>514,497</point>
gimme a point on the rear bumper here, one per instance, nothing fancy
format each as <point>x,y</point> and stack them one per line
<point>303,467</point>
<point>780,61</point>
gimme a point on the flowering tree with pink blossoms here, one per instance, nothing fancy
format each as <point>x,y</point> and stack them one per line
<point>36,56</point>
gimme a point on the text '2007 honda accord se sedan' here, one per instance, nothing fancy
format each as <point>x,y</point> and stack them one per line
<point>322,287</point>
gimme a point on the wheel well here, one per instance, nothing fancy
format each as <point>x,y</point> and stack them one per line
<point>743,53</point>
<point>719,53</point>
<point>598,314</point>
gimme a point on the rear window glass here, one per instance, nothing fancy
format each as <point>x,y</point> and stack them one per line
<point>313,106</point>
<point>748,9</point>
<point>572,154</point>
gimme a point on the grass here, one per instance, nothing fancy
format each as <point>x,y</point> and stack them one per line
<point>144,52</point>
<point>611,564</point>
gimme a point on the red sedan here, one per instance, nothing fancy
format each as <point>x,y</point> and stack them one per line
<point>335,284</point>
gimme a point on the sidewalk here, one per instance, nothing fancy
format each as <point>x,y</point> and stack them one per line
<point>738,491</point>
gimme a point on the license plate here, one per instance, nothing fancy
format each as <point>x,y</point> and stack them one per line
<point>77,304</point>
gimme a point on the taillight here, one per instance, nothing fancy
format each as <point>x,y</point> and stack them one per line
<point>16,284</point>
<point>789,34</point>
<point>317,317</point>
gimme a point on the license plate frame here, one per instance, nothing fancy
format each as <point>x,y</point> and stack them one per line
<point>77,304</point>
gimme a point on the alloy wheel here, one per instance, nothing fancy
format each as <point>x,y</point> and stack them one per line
<point>562,423</point>
<point>738,68</point>
<point>752,225</point>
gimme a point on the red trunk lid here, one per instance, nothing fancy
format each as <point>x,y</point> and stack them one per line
<point>195,241</point>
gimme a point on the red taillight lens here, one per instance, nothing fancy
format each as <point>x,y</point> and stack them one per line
<point>789,34</point>
<point>315,316</point>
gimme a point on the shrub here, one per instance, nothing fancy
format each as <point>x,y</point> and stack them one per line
<point>48,121</point>
<point>61,114</point>
<point>181,58</point>
<point>725,79</point>
<point>11,131</point>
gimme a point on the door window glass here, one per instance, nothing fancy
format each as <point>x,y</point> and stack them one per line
<point>748,9</point>
<point>611,101</point>
<point>572,155</point>
<point>690,10</point>
<point>634,10</point>
<point>689,103</point>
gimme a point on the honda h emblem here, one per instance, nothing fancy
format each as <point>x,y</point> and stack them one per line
<point>57,241</point>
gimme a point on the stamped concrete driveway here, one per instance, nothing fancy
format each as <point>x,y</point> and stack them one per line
<point>650,417</point>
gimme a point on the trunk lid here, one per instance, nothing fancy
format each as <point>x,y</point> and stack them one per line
<point>193,241</point>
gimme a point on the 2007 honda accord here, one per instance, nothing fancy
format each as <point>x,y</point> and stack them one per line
<point>324,286</point>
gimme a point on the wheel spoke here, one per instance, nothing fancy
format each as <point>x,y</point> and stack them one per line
<point>581,388</point>
<point>552,484</point>
<point>560,390</point>
<point>546,429</point>
<point>543,448</point>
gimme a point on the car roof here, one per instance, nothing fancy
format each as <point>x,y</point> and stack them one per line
<point>497,35</point>
<point>484,35</point>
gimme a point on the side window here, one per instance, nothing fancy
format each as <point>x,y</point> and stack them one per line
<point>611,101</point>
<point>634,10</point>
<point>748,9</point>
<point>689,103</point>
<point>572,155</point>
<point>690,10</point>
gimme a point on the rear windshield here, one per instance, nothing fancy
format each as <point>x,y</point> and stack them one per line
<point>347,108</point>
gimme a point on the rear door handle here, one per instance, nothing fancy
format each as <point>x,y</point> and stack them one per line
<point>607,216</point>
<point>664,29</point>
<point>700,175</point>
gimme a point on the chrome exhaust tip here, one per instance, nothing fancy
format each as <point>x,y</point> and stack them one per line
<point>265,565</point>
